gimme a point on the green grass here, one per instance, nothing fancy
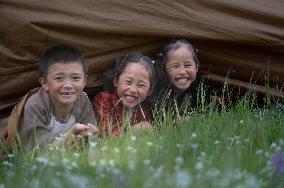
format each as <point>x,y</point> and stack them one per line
<point>231,148</point>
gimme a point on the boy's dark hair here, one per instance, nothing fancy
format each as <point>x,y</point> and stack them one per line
<point>60,53</point>
<point>123,61</point>
<point>162,57</point>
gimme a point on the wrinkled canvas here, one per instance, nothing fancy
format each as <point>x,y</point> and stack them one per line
<point>241,40</point>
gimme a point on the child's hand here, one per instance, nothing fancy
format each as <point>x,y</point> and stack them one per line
<point>75,136</point>
<point>144,125</point>
<point>83,130</point>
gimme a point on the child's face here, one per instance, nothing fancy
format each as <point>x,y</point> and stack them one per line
<point>133,84</point>
<point>181,68</point>
<point>64,83</point>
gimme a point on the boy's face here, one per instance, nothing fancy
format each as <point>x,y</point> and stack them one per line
<point>133,84</point>
<point>181,68</point>
<point>64,83</point>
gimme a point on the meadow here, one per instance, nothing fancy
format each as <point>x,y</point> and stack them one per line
<point>240,146</point>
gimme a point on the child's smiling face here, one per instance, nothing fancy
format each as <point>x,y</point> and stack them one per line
<point>181,68</point>
<point>133,84</point>
<point>64,83</point>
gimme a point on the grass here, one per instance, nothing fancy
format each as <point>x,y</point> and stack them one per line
<point>231,148</point>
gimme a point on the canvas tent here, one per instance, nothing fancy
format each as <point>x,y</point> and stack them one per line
<point>242,40</point>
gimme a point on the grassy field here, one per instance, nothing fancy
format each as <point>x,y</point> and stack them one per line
<point>237,147</point>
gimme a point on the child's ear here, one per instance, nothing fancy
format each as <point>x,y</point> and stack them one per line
<point>43,83</point>
<point>114,82</point>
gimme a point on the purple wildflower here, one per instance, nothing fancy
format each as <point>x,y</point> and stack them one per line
<point>277,162</point>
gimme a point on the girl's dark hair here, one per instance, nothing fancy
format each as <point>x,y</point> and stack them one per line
<point>60,53</point>
<point>169,47</point>
<point>123,61</point>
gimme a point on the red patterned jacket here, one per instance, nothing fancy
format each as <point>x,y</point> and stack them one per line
<point>109,113</point>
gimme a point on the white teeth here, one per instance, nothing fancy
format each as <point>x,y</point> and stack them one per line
<point>182,80</point>
<point>66,93</point>
<point>130,98</point>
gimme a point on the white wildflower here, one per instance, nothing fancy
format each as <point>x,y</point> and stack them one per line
<point>10,155</point>
<point>158,173</point>
<point>213,172</point>
<point>93,163</point>
<point>102,162</point>
<point>179,160</point>
<point>199,165</point>
<point>43,160</point>
<point>77,180</point>
<point>273,145</point>
<point>246,140</point>
<point>146,162</point>
<point>281,142</point>
<point>76,155</point>
<point>129,148</point>
<point>278,148</point>
<point>133,138</point>
<point>64,161</point>
<point>131,165</point>
<point>104,148</point>
<point>149,143</point>
<point>111,162</point>
<point>179,145</point>
<point>93,144</point>
<point>217,142</point>
<point>194,146</point>
<point>259,152</point>
<point>193,135</point>
<point>74,164</point>
<point>183,179</point>
<point>116,150</point>
<point>7,163</point>
<point>203,154</point>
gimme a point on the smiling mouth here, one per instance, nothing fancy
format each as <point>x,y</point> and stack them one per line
<point>67,93</point>
<point>182,79</point>
<point>178,78</point>
<point>130,98</point>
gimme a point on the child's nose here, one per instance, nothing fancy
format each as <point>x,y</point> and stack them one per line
<point>182,71</point>
<point>67,83</point>
<point>133,89</point>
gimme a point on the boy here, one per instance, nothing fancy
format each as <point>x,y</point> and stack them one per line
<point>60,110</point>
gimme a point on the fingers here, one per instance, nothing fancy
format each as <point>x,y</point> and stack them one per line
<point>82,129</point>
<point>79,128</point>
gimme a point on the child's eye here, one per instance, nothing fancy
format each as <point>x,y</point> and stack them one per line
<point>188,65</point>
<point>76,78</point>
<point>127,82</point>
<point>58,78</point>
<point>175,66</point>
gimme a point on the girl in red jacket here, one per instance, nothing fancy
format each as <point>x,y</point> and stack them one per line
<point>124,104</point>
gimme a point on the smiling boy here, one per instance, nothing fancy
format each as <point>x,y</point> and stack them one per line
<point>60,109</point>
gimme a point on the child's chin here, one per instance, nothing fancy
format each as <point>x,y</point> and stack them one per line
<point>182,87</point>
<point>66,102</point>
<point>129,106</point>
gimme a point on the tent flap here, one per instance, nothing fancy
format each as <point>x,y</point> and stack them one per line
<point>240,39</point>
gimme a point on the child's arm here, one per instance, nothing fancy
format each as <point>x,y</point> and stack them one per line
<point>84,112</point>
<point>33,126</point>
<point>102,105</point>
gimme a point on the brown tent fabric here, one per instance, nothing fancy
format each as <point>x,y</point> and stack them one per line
<point>242,40</point>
